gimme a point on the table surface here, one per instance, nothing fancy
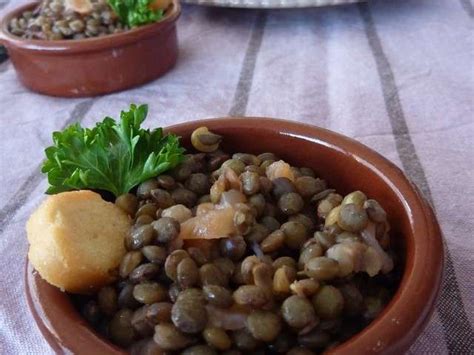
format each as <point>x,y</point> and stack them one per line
<point>396,75</point>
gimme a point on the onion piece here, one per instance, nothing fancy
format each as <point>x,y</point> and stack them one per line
<point>233,179</point>
<point>349,255</point>
<point>214,221</point>
<point>231,198</point>
<point>79,6</point>
<point>232,318</point>
<point>256,249</point>
<point>214,224</point>
<point>368,235</point>
<point>204,208</point>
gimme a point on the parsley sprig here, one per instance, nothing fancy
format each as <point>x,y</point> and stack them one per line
<point>136,12</point>
<point>112,156</point>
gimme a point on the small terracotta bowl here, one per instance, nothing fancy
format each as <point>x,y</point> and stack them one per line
<point>347,165</point>
<point>93,66</point>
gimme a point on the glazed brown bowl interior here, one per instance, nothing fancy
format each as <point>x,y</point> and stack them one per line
<point>347,165</point>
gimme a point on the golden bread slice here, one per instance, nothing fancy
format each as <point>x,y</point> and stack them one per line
<point>77,240</point>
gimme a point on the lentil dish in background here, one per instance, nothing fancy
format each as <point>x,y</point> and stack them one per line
<point>231,253</point>
<point>80,19</point>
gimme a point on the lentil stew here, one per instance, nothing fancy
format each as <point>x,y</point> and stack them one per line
<point>238,252</point>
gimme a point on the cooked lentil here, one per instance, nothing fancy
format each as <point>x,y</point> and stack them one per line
<point>264,325</point>
<point>155,254</point>
<point>218,296</point>
<point>282,280</point>
<point>298,311</point>
<point>217,338</point>
<point>149,292</point>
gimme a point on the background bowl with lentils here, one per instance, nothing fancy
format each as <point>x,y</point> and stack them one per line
<point>79,19</point>
<point>235,253</point>
<point>87,42</point>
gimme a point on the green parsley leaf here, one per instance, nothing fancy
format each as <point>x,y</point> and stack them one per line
<point>135,12</point>
<point>111,156</point>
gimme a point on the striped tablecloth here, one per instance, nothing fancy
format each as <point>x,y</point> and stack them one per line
<point>396,75</point>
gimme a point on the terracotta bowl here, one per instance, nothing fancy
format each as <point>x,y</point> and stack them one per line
<point>93,66</point>
<point>347,165</point>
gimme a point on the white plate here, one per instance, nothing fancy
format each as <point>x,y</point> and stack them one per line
<point>268,4</point>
